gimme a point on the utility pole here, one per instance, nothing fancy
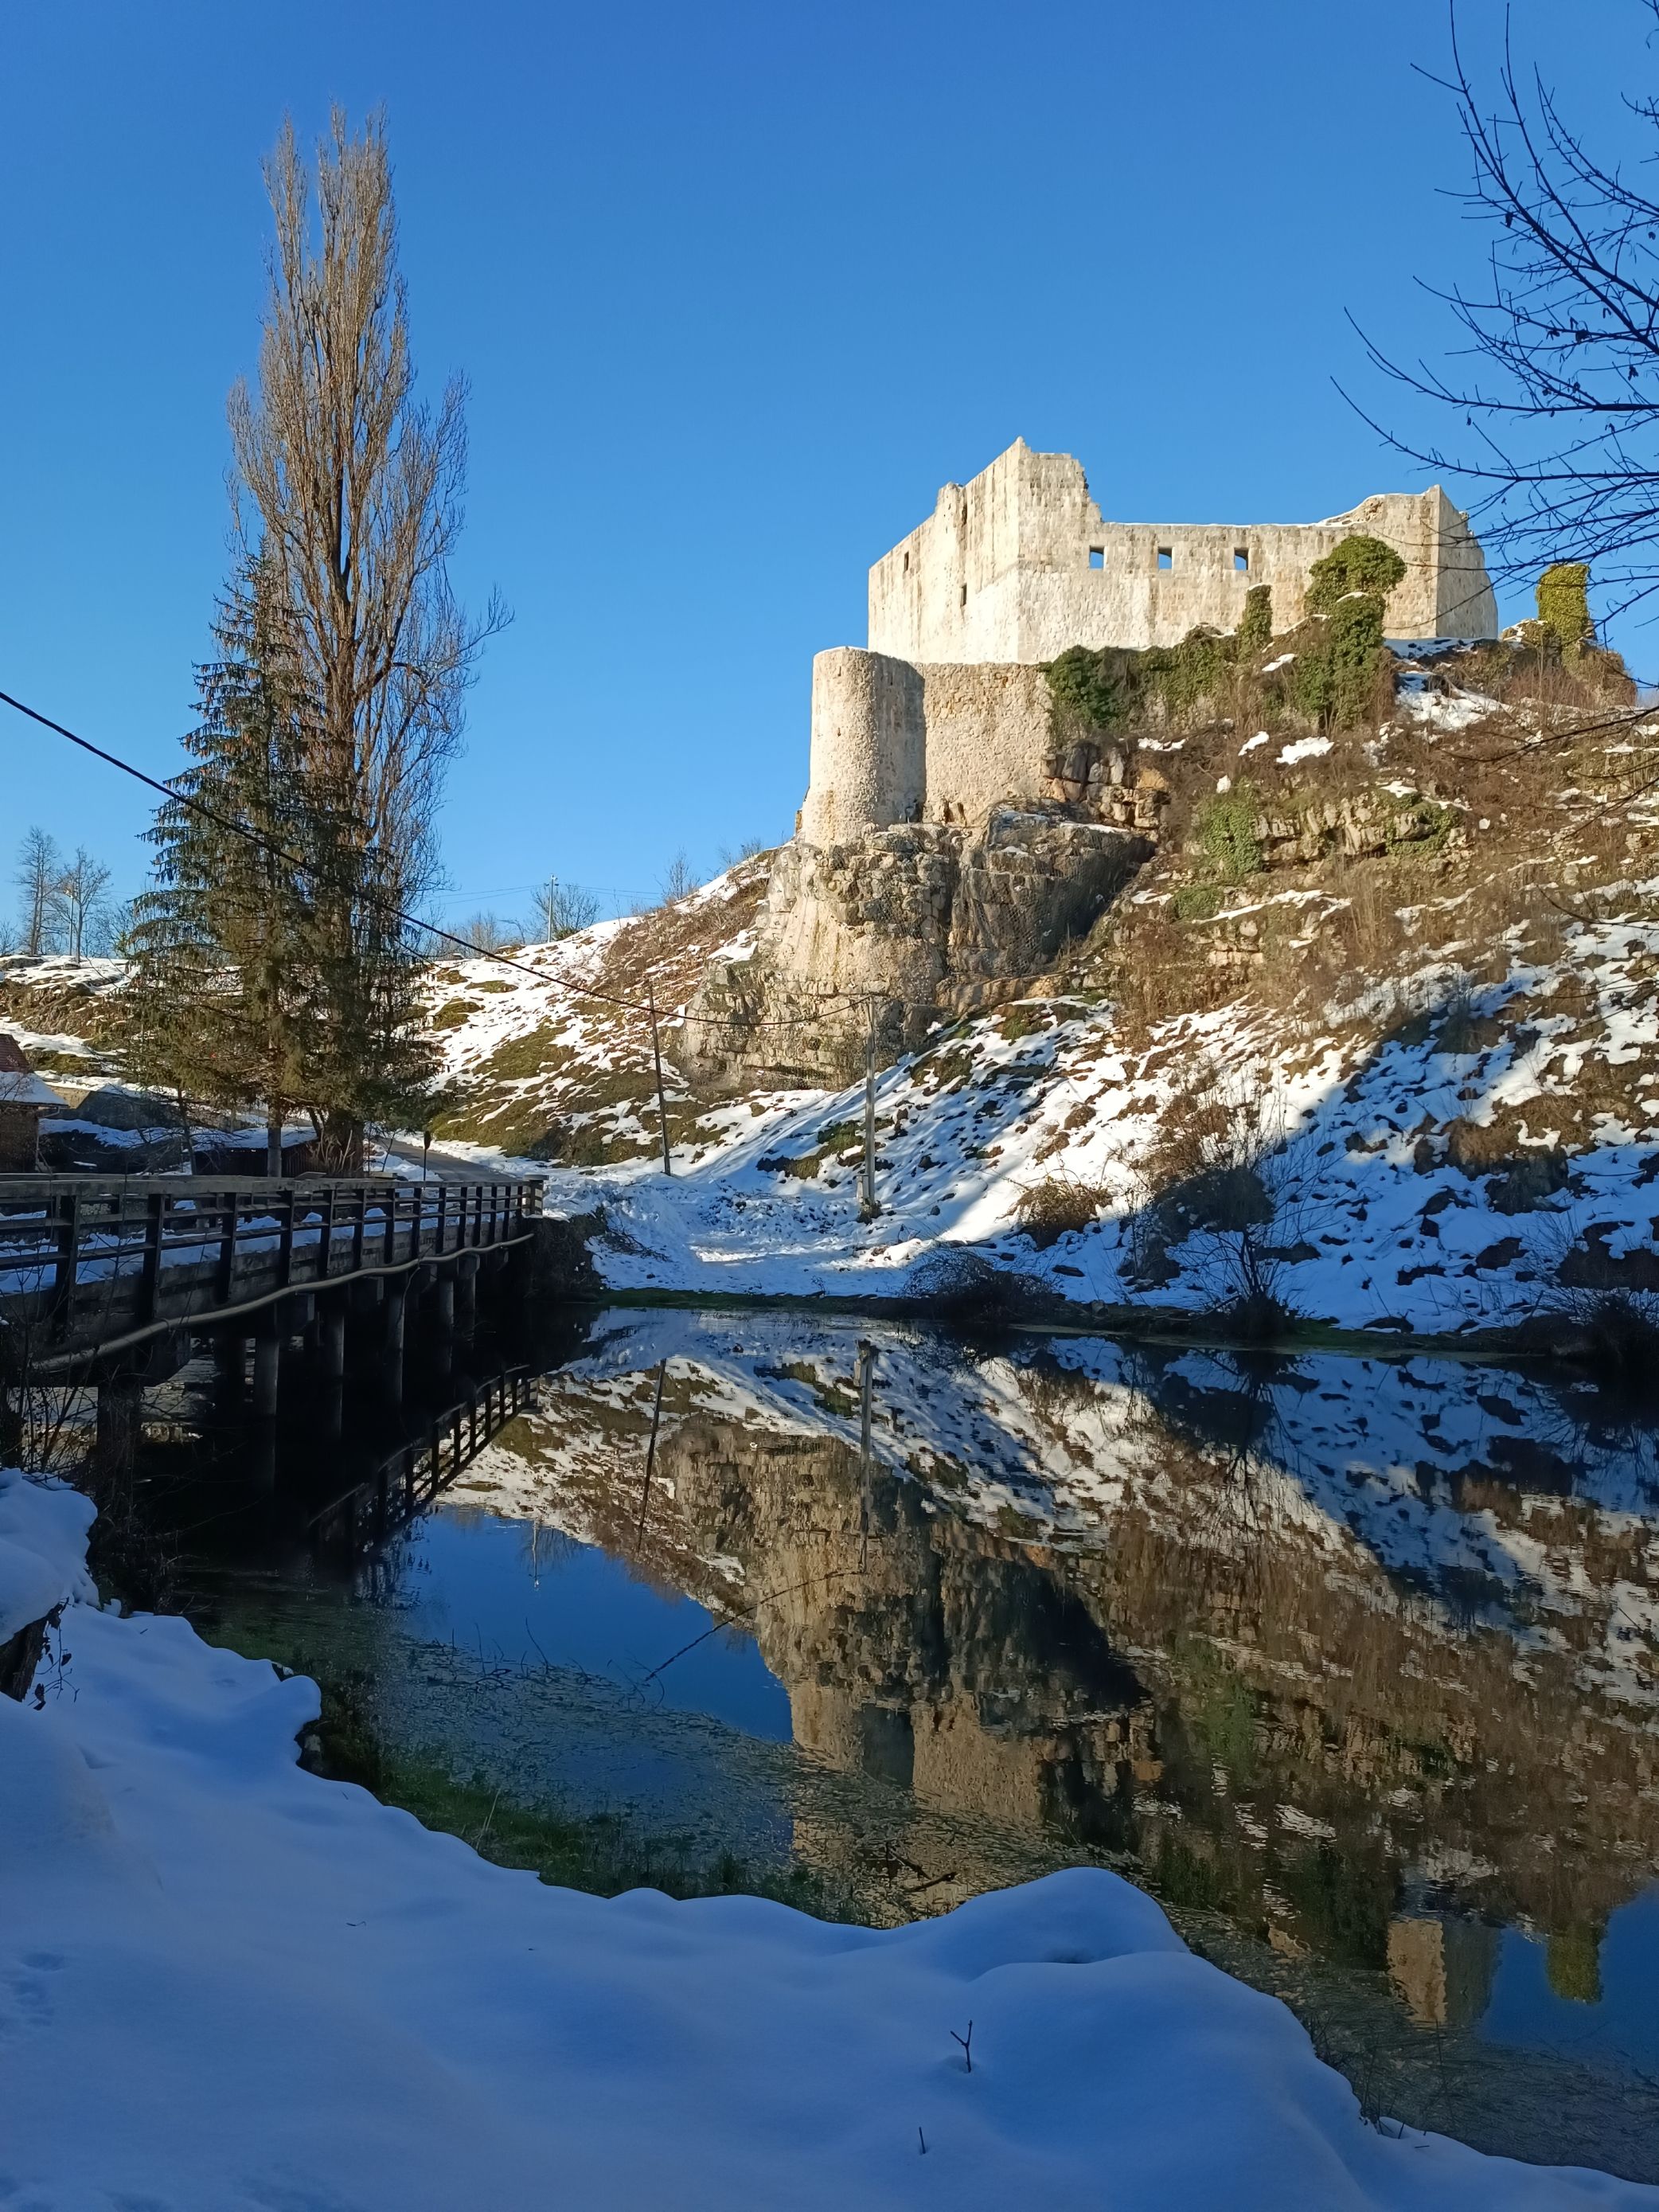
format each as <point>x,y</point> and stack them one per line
<point>867,1208</point>
<point>867,1368</point>
<point>656,1054</point>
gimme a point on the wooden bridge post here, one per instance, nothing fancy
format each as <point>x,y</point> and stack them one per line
<point>330,1367</point>
<point>120,1412</point>
<point>68,1259</point>
<point>267,1365</point>
<point>155,1236</point>
<point>466,1293</point>
<point>391,1340</point>
<point>443,1326</point>
<point>230,1371</point>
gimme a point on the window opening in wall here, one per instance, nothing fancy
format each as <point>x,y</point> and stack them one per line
<point>1097,557</point>
<point>1165,557</point>
<point>1242,559</point>
<point>906,564</point>
<point>964,600</point>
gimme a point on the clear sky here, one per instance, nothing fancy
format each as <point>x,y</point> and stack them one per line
<point>737,287</point>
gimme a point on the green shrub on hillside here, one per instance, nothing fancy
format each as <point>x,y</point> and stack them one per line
<point>1199,668</point>
<point>1357,564</point>
<point>1197,902</point>
<point>1223,830</point>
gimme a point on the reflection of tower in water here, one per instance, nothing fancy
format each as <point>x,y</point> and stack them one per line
<point>1442,1965</point>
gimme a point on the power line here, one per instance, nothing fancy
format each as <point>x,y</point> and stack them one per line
<point>395,913</point>
<point>280,853</point>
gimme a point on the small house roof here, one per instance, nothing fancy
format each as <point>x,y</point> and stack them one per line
<point>19,1083</point>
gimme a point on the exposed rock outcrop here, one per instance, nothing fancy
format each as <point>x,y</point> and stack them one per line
<point>928,920</point>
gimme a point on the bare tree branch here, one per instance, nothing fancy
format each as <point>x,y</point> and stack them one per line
<point>1557,370</point>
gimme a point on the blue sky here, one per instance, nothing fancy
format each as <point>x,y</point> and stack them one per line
<point>735,287</point>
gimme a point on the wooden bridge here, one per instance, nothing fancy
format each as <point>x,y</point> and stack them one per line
<point>94,1267</point>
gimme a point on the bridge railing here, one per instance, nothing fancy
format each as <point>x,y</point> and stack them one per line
<point>408,1479</point>
<point>132,1253</point>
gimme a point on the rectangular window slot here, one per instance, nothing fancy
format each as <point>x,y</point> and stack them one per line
<point>1165,557</point>
<point>1242,559</point>
<point>906,564</point>
<point>1097,557</point>
<point>964,601</point>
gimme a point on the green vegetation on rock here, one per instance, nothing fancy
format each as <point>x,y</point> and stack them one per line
<point>1334,677</point>
<point>1357,564</point>
<point>1224,831</point>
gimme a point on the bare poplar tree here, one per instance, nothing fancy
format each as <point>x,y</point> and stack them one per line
<point>1557,390</point>
<point>80,898</point>
<point>40,867</point>
<point>347,491</point>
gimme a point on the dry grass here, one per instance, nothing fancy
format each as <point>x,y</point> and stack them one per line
<point>1057,1206</point>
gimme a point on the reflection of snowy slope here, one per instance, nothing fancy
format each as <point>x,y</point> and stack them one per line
<point>1474,1490</point>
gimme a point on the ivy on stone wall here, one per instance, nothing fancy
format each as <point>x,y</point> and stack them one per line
<point>1096,692</point>
<point>1334,676</point>
<point>1564,606</point>
<point>1255,631</point>
<point>1200,667</point>
<point>1097,689</point>
<point>1357,564</point>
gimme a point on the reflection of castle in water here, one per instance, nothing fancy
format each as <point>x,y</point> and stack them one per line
<point>1306,1644</point>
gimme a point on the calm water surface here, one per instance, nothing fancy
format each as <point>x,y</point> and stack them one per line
<point>1353,1664</point>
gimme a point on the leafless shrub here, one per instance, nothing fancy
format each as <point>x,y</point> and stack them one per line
<point>677,881</point>
<point>1218,1185</point>
<point>750,848</point>
<point>488,932</point>
<point>562,908</point>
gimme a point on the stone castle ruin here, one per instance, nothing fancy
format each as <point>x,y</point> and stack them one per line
<point>949,844</point>
<point>947,712</point>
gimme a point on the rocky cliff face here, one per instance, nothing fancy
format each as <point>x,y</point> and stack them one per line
<point>927,920</point>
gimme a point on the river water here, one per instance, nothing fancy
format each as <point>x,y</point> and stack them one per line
<point>1353,1664</point>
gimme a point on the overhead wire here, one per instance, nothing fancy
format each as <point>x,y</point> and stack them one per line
<point>309,868</point>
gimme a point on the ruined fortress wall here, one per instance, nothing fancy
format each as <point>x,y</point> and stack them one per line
<point>868,752</point>
<point>1001,570</point>
<point>893,742</point>
<point>988,737</point>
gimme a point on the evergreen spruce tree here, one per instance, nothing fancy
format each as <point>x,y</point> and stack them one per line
<point>223,943</point>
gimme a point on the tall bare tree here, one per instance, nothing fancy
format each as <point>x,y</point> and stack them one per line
<point>40,867</point>
<point>347,491</point>
<point>80,898</point>
<point>1556,391</point>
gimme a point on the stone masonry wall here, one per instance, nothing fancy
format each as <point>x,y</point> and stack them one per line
<point>1002,571</point>
<point>893,742</point>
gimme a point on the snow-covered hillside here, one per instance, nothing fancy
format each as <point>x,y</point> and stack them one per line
<point>1372,1039</point>
<point>1439,1176</point>
<point>1395,1068</point>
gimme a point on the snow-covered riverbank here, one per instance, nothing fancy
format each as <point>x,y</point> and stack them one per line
<point>227,1984</point>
